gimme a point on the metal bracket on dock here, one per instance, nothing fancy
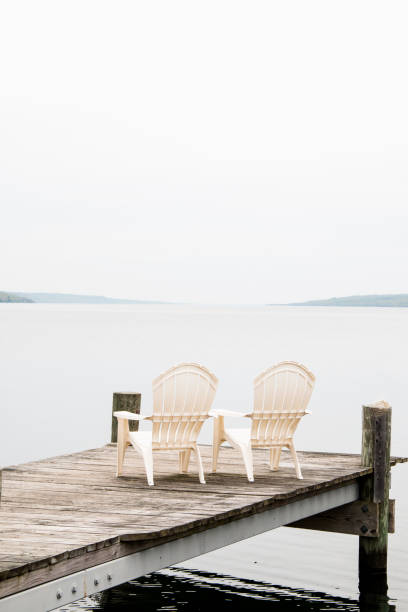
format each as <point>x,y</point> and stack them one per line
<point>357,518</point>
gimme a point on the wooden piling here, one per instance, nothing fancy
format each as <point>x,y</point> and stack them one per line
<point>375,452</point>
<point>125,401</point>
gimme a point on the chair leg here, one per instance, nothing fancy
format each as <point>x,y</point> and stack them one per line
<point>186,461</point>
<point>295,460</point>
<point>216,450</point>
<point>200,465</point>
<point>249,466</point>
<point>181,461</point>
<point>121,445</point>
<point>275,458</point>
<point>147,455</point>
<point>218,439</point>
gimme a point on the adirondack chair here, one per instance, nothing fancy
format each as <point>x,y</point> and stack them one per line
<point>182,398</point>
<point>281,395</point>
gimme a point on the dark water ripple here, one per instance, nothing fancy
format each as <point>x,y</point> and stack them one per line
<point>173,590</point>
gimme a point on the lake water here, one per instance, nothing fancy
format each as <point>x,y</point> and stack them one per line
<point>60,365</point>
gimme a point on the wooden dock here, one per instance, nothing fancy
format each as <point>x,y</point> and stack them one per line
<point>69,527</point>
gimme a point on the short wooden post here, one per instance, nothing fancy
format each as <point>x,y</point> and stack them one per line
<point>375,453</point>
<point>125,401</point>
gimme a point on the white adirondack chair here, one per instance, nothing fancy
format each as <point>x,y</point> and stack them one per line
<point>281,395</point>
<point>182,398</point>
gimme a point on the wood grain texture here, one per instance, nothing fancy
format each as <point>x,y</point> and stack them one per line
<point>357,518</point>
<point>68,513</point>
<point>375,452</point>
<point>125,401</point>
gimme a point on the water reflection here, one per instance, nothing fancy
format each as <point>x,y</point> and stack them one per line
<point>175,590</point>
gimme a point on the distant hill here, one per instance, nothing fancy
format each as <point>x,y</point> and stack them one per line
<point>12,297</point>
<point>399,300</point>
<point>72,298</point>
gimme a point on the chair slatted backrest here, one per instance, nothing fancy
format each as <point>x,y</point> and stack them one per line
<point>281,396</point>
<point>182,397</point>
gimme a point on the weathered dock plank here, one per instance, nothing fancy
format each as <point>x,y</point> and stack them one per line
<point>66,514</point>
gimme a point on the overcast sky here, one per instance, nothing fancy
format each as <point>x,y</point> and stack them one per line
<point>208,151</point>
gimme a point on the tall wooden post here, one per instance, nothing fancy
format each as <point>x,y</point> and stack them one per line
<point>375,453</point>
<point>125,401</point>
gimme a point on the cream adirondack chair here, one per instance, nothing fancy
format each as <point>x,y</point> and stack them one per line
<point>182,398</point>
<point>281,395</point>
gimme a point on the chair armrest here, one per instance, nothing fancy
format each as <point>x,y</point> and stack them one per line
<point>227,413</point>
<point>124,414</point>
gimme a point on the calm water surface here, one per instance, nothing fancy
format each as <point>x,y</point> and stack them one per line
<point>60,365</point>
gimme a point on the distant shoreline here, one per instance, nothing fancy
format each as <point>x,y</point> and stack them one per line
<point>354,301</point>
<point>67,298</point>
<point>13,298</point>
<point>387,300</point>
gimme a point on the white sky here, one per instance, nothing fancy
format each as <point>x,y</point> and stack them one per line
<point>208,151</point>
